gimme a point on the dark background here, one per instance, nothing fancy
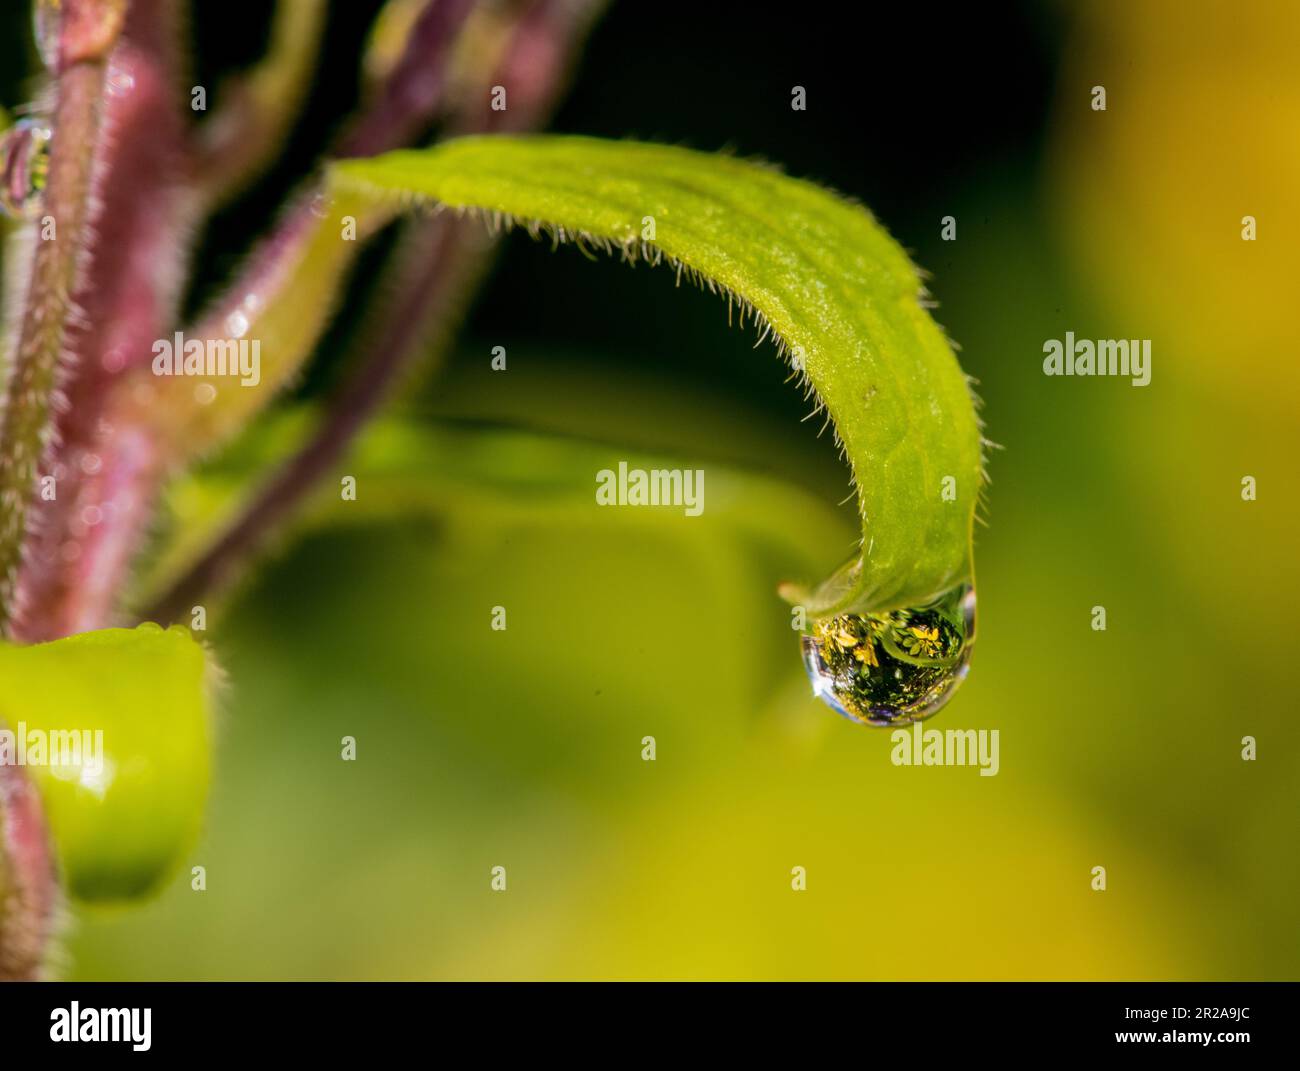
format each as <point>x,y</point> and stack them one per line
<point>899,133</point>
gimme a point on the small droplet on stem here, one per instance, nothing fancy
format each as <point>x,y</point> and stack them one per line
<point>24,164</point>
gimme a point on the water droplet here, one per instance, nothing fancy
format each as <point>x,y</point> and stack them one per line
<point>894,667</point>
<point>24,163</point>
<point>120,83</point>
<point>237,324</point>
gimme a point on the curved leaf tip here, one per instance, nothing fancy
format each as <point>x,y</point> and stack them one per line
<point>842,300</point>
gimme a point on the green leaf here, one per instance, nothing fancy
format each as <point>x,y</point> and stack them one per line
<point>483,476</point>
<point>126,805</point>
<point>840,296</point>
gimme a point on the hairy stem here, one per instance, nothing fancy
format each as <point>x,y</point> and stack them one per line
<point>437,267</point>
<point>127,296</point>
<point>436,270</point>
<point>154,425</point>
<point>55,263</point>
<point>28,884</point>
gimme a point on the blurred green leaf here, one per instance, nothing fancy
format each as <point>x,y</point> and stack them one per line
<point>128,802</point>
<point>840,295</point>
<point>483,475</point>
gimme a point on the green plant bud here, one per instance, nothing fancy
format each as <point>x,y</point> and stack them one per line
<point>113,729</point>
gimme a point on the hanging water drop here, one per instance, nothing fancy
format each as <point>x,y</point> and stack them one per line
<point>893,667</point>
<point>24,163</point>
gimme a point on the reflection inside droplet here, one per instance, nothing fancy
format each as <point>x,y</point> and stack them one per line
<point>893,667</point>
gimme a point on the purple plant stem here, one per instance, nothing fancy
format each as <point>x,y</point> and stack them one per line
<point>440,260</point>
<point>26,431</point>
<point>257,107</point>
<point>283,493</point>
<point>29,891</point>
<point>140,235</point>
<point>77,568</point>
<point>410,96</point>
